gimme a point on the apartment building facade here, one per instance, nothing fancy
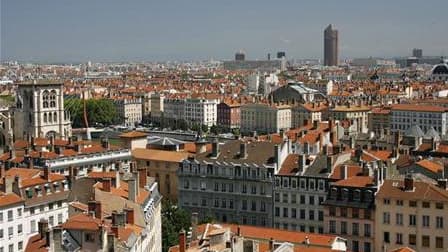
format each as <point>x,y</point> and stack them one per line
<point>404,116</point>
<point>265,118</point>
<point>413,214</point>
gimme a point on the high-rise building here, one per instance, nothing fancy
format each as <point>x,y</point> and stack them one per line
<point>240,56</point>
<point>281,55</point>
<point>330,46</point>
<point>416,52</point>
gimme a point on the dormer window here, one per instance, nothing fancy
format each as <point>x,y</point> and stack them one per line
<point>38,190</point>
<point>56,187</point>
<point>357,195</point>
<point>47,189</point>
<point>29,193</point>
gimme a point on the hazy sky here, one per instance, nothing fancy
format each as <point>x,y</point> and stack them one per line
<point>115,30</point>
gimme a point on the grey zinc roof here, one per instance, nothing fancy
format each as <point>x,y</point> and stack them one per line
<point>414,131</point>
<point>432,133</point>
<point>301,88</point>
<point>163,141</point>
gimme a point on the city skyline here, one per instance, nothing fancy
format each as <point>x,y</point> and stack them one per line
<point>114,31</point>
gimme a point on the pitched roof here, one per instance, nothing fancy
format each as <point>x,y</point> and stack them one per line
<point>159,155</point>
<point>355,181</point>
<point>430,165</point>
<point>422,191</point>
<point>133,134</point>
<point>36,243</point>
<point>82,221</point>
<point>9,199</point>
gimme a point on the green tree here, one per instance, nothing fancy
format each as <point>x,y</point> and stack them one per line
<point>204,128</point>
<point>99,111</point>
<point>174,219</point>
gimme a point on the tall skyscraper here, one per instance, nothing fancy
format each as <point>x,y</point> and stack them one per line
<point>416,52</point>
<point>330,46</point>
<point>240,56</point>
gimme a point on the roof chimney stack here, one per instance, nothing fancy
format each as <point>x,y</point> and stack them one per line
<point>408,183</point>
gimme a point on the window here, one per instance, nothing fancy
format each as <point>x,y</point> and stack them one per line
<point>386,218</point>
<point>1,233</point>
<point>262,206</point>
<point>10,231</point>
<point>412,239</point>
<point>332,211</point>
<point>11,248</point>
<point>20,245</point>
<point>399,202</point>
<point>399,238</point>
<point>285,198</point>
<point>355,213</point>
<point>425,241</point>
<point>19,229</point>
<point>426,204</point>
<point>332,227</point>
<point>277,197</point>
<point>293,198</point>
<point>399,219</point>
<point>439,242</point>
<point>386,201</point>
<point>19,212</point>
<point>51,220</point>
<point>311,214</point>
<point>302,214</point>
<point>367,247</point>
<point>355,246</point>
<point>413,203</point>
<point>343,227</point>
<point>355,228</point>
<point>302,199</point>
<point>1,217</point>
<point>285,212</point>
<point>10,215</point>
<point>367,230</point>
<point>320,215</point>
<point>439,222</point>
<point>386,237</point>
<point>439,205</point>
<point>277,211</point>
<point>60,218</point>
<point>343,212</point>
<point>216,187</point>
<point>425,220</point>
<point>293,213</point>
<point>89,237</point>
<point>33,226</point>
<point>311,199</point>
<point>367,214</point>
<point>412,220</point>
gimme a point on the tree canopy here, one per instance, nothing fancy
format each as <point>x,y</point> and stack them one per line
<point>174,219</point>
<point>99,112</point>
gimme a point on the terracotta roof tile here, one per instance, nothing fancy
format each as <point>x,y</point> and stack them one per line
<point>355,181</point>
<point>430,165</point>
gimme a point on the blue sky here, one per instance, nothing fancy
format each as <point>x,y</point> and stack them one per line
<point>112,30</point>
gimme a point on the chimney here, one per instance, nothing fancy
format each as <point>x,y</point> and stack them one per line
<point>344,172</point>
<point>277,155</point>
<point>330,164</point>
<point>118,219</point>
<point>194,225</point>
<point>105,143</point>
<point>215,149</point>
<point>56,239</point>
<point>58,150</point>
<point>117,179</point>
<point>238,231</point>
<point>201,147</point>
<point>42,228</point>
<point>352,142</point>
<point>408,183</point>
<point>305,122</point>
<point>182,241</point>
<point>442,183</point>
<point>243,150</point>
<point>142,178</point>
<point>107,183</point>
<point>12,153</point>
<point>282,134</point>
<point>271,244</point>
<point>358,153</point>
<point>333,138</point>
<point>129,215</point>
<point>315,124</point>
<point>78,148</point>
<point>301,163</point>
<point>33,147</point>
<point>95,208</point>
<point>132,189</point>
<point>46,172</point>
<point>8,184</point>
<point>51,143</point>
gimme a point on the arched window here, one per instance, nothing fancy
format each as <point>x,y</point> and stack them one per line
<point>55,117</point>
<point>53,99</point>
<point>50,117</point>
<point>45,98</point>
<point>45,118</point>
